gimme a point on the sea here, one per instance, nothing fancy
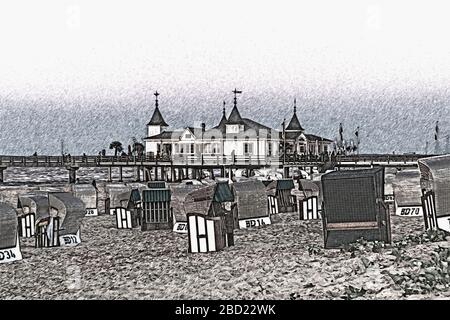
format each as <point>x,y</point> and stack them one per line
<point>389,121</point>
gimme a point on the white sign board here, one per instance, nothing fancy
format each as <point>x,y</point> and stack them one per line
<point>180,227</point>
<point>414,211</point>
<point>11,254</point>
<point>91,212</point>
<point>443,223</point>
<point>112,212</point>
<point>70,240</point>
<point>255,222</point>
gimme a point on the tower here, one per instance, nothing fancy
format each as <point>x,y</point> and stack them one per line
<point>156,124</point>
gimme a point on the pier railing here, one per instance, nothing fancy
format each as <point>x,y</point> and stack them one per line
<point>206,160</point>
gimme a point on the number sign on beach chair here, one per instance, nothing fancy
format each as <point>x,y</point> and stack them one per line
<point>251,203</point>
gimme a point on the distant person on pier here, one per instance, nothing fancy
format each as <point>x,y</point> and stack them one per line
<point>35,154</point>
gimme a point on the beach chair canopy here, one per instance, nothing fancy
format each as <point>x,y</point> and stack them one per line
<point>115,194</point>
<point>8,226</point>
<point>285,184</point>
<point>179,193</point>
<point>71,211</point>
<point>435,176</point>
<point>201,200</point>
<point>37,204</point>
<point>87,193</point>
<point>353,195</point>
<point>251,199</point>
<point>157,185</point>
<point>406,188</point>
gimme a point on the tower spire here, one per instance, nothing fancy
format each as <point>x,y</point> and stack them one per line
<point>236,92</point>
<point>156,98</point>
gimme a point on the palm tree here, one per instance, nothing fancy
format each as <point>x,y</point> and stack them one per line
<point>138,148</point>
<point>117,146</point>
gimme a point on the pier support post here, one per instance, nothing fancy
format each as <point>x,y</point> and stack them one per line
<point>120,174</point>
<point>172,174</point>
<point>2,175</point>
<point>109,174</point>
<point>72,174</point>
<point>147,173</point>
<point>286,172</point>
<point>138,173</point>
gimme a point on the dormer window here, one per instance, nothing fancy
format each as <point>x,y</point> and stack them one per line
<point>232,128</point>
<point>188,136</point>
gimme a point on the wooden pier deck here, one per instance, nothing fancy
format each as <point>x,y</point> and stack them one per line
<point>206,162</point>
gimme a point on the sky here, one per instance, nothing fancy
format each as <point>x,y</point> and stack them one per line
<point>83,54</point>
<point>69,49</point>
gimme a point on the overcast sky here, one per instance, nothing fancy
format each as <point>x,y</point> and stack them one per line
<point>70,49</point>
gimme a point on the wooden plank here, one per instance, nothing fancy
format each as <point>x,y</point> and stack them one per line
<point>352,225</point>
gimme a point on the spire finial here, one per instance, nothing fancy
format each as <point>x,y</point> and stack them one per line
<point>156,99</point>
<point>235,91</point>
<point>223,107</point>
<point>295,105</point>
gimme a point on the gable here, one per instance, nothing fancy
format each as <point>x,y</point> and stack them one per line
<point>187,135</point>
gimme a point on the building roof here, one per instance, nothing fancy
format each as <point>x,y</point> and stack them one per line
<point>235,117</point>
<point>313,137</point>
<point>222,124</point>
<point>294,124</point>
<point>157,119</point>
<point>310,137</point>
<point>166,135</point>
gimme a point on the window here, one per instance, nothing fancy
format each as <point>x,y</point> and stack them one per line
<point>302,148</point>
<point>232,128</point>
<point>192,147</point>
<point>187,135</point>
<point>269,148</point>
<point>325,148</point>
<point>248,148</point>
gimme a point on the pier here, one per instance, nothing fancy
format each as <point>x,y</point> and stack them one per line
<point>179,167</point>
